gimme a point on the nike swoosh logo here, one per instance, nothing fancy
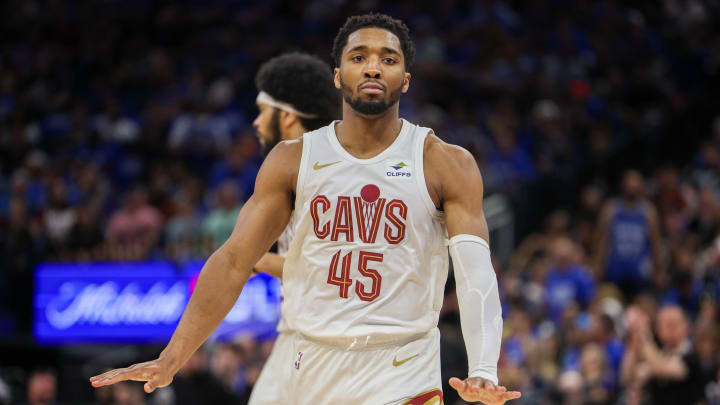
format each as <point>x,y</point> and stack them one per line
<point>318,167</point>
<point>397,363</point>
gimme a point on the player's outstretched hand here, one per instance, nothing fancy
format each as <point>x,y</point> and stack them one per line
<point>475,389</point>
<point>156,372</point>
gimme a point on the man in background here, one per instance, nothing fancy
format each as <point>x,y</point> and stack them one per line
<point>296,95</point>
<point>628,240</point>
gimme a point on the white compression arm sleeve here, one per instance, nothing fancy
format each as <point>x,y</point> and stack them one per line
<point>479,301</point>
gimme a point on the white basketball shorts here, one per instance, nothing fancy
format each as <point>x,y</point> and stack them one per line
<point>301,371</point>
<point>270,387</point>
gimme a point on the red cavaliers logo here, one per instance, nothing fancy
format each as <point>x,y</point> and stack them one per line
<point>369,209</point>
<point>370,193</point>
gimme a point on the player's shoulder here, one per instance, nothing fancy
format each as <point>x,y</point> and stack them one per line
<point>283,161</point>
<point>318,131</point>
<point>450,170</point>
<point>441,154</point>
<point>287,149</point>
<point>289,152</point>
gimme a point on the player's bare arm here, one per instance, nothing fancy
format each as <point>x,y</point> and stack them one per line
<point>272,264</point>
<point>226,271</point>
<point>456,186</point>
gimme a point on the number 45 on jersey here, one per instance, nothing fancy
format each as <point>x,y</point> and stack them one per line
<point>368,209</point>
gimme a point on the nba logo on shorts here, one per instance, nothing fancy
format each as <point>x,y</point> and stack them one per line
<point>297,362</point>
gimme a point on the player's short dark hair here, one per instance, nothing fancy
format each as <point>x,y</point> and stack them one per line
<point>303,81</point>
<point>375,20</point>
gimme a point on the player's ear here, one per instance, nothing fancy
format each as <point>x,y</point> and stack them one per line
<point>287,119</point>
<point>406,82</point>
<point>336,78</point>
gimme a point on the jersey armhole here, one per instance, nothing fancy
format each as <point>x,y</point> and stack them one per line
<point>419,158</point>
<point>302,169</point>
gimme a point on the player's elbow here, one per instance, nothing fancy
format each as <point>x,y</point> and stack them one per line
<point>232,259</point>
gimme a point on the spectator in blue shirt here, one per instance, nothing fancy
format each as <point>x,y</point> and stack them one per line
<point>567,281</point>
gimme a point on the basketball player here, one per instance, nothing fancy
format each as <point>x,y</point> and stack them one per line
<point>373,199</point>
<point>296,95</point>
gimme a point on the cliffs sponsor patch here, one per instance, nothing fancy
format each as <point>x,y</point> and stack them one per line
<point>399,170</point>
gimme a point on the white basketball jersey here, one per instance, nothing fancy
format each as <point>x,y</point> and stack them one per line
<point>283,244</point>
<point>368,257</point>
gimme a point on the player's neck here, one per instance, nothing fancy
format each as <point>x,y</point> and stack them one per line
<point>366,136</point>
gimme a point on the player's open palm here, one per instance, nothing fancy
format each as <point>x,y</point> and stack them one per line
<point>479,389</point>
<point>156,372</point>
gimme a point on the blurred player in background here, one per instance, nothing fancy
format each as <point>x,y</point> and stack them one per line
<point>296,95</point>
<point>628,250</point>
<point>373,200</point>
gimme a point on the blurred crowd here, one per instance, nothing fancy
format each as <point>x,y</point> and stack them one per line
<point>125,134</point>
<point>216,374</point>
<point>616,302</point>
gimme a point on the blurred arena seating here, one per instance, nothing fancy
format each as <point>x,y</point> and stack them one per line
<point>126,136</point>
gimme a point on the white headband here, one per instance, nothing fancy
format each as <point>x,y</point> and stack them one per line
<point>267,99</point>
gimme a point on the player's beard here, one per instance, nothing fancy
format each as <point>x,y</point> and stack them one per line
<point>275,135</point>
<point>369,107</point>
